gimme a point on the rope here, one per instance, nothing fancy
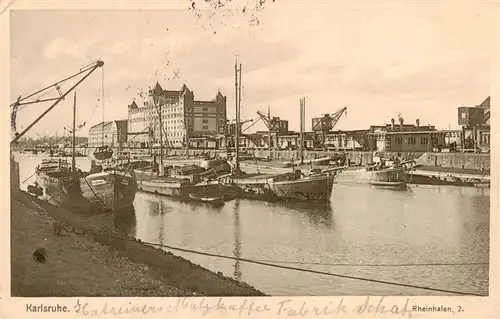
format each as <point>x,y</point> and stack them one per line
<point>263,263</point>
<point>305,270</point>
<point>29,177</point>
<point>102,203</point>
<point>73,182</point>
<point>375,265</point>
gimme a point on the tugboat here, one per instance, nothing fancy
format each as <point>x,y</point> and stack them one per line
<point>391,174</point>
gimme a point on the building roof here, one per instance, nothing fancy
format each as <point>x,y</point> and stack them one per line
<point>133,105</point>
<point>485,104</point>
<point>157,90</point>
<point>100,126</point>
<point>415,132</point>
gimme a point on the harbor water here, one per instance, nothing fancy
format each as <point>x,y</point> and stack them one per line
<point>426,236</point>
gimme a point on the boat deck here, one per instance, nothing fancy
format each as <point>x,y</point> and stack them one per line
<point>453,170</point>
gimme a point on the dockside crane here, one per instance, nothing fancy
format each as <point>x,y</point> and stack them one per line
<point>37,97</point>
<point>272,124</point>
<point>326,123</point>
<point>230,130</point>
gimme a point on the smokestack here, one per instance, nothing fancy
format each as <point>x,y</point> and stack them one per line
<point>392,124</point>
<point>401,121</point>
<point>418,123</point>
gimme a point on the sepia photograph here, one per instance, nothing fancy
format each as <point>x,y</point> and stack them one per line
<point>251,148</point>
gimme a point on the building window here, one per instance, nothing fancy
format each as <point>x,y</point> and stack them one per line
<point>399,140</point>
<point>424,140</point>
<point>205,109</point>
<point>205,127</point>
<point>411,140</point>
<point>204,121</point>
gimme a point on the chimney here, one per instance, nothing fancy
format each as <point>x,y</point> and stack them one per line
<point>392,124</point>
<point>418,123</point>
<point>401,121</point>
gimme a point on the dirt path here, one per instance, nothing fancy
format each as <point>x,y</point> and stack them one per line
<point>76,265</point>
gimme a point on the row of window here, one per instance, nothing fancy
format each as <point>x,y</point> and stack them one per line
<point>412,140</point>
<point>155,115</point>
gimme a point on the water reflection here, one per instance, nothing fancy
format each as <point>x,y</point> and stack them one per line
<point>318,214</point>
<point>237,241</point>
<point>125,221</point>
<point>161,230</point>
<point>425,224</point>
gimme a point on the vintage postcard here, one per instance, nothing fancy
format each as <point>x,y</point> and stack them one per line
<point>249,158</point>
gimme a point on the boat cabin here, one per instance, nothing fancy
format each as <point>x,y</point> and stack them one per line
<point>191,172</point>
<point>51,165</point>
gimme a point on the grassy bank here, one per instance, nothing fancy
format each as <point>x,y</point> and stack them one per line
<point>85,257</point>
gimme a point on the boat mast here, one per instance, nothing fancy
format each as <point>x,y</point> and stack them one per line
<point>102,101</point>
<point>269,129</point>
<point>158,109</point>
<point>302,127</point>
<point>237,133</point>
<point>162,168</point>
<point>239,113</point>
<point>73,159</point>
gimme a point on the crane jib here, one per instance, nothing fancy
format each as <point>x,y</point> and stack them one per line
<point>89,70</point>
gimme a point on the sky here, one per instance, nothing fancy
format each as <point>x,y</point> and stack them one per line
<point>380,60</point>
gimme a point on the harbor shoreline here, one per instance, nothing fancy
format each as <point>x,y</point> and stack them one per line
<point>152,271</point>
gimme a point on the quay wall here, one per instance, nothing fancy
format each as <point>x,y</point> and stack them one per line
<point>448,160</point>
<point>14,174</point>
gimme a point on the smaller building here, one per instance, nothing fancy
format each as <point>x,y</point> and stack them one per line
<point>405,137</point>
<point>475,122</point>
<point>112,133</point>
<point>291,141</point>
<point>414,141</point>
